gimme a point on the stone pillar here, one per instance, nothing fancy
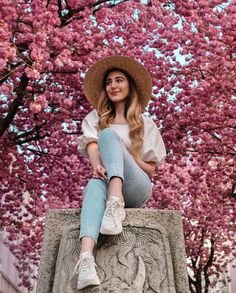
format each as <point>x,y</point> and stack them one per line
<point>148,256</point>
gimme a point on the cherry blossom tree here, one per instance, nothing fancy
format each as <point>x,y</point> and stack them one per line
<point>188,47</point>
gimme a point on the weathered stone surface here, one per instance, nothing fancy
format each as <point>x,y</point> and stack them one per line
<point>149,255</point>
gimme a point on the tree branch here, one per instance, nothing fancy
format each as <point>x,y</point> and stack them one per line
<point>6,74</point>
<point>72,12</point>
<point>36,137</point>
<point>27,133</point>
<point>37,152</point>
<point>208,264</point>
<point>191,284</point>
<point>219,139</point>
<point>4,123</point>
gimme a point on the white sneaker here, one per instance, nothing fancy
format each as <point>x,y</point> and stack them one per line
<point>113,217</point>
<point>85,268</point>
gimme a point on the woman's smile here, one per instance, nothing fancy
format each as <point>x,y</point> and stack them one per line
<point>114,93</point>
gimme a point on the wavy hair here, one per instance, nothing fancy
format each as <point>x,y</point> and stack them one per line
<point>133,110</point>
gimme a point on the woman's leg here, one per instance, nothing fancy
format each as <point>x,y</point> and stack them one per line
<point>129,179</point>
<point>124,177</point>
<point>111,155</point>
<point>115,187</point>
<point>95,196</point>
<point>122,171</point>
<point>137,186</point>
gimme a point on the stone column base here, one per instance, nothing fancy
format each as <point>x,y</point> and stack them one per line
<point>148,256</point>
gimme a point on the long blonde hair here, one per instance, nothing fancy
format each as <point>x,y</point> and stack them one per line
<point>133,110</point>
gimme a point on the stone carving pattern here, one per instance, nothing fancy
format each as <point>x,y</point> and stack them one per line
<point>136,261</point>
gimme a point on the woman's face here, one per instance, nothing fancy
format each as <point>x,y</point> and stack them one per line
<point>117,86</point>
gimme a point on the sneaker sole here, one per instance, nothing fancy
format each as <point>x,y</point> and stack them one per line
<point>82,285</point>
<point>105,231</point>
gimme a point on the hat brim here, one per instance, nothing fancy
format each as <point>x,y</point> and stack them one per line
<point>93,82</point>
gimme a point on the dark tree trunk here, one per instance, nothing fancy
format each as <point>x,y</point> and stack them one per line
<point>198,284</point>
<point>209,263</point>
<point>5,122</point>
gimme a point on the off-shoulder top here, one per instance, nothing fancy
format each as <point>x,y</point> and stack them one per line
<point>153,147</point>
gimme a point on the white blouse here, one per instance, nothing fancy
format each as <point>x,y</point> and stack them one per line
<point>153,145</point>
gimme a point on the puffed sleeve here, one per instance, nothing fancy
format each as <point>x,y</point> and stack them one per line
<point>89,129</point>
<point>153,147</point>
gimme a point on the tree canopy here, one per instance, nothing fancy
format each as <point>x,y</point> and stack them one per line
<point>189,48</point>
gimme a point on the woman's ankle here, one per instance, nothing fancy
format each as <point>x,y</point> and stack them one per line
<point>87,245</point>
<point>115,187</point>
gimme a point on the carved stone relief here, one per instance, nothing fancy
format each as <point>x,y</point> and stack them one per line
<point>149,256</point>
<point>136,261</point>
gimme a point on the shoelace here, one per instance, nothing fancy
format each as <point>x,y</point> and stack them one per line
<point>84,264</point>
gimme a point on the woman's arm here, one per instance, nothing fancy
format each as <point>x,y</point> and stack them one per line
<point>94,157</point>
<point>148,167</point>
<point>93,154</point>
<point>100,172</point>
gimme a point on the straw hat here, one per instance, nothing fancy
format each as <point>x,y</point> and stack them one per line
<point>93,81</point>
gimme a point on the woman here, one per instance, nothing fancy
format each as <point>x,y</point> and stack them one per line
<point>123,146</point>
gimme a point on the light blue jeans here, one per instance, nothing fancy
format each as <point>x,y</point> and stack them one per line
<point>136,188</point>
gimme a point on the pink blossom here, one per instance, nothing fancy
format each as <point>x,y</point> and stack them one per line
<point>67,103</point>
<point>35,107</point>
<point>2,64</point>
<point>32,73</point>
<point>41,99</point>
<point>7,89</point>
<point>37,54</point>
<point>73,3</point>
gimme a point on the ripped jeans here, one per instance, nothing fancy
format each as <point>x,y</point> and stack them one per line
<point>137,187</point>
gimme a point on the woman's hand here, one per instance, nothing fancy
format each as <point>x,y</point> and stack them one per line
<point>99,172</point>
<point>94,157</point>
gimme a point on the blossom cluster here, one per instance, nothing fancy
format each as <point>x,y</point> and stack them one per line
<point>189,48</point>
